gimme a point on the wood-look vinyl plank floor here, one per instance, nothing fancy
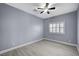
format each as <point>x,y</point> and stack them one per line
<point>44,48</point>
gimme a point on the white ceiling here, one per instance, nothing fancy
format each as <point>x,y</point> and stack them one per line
<point>61,8</point>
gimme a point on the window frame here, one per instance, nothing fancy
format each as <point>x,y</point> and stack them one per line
<point>57,28</point>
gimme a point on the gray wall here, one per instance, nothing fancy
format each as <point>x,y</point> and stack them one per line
<point>70,35</point>
<point>17,27</point>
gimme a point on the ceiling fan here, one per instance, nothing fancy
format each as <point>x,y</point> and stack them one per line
<point>46,8</point>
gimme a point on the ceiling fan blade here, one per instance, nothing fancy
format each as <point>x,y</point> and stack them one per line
<point>51,8</point>
<point>48,12</point>
<point>39,8</point>
<point>41,12</point>
<point>46,4</point>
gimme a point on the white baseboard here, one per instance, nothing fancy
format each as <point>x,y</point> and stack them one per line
<point>61,42</point>
<point>13,48</point>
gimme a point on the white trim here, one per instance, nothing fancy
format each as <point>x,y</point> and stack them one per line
<point>62,42</point>
<point>13,48</point>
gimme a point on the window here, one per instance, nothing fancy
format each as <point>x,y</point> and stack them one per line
<point>56,27</point>
<point>62,27</point>
<point>50,26</point>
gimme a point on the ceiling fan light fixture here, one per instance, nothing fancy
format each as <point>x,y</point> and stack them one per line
<point>45,8</point>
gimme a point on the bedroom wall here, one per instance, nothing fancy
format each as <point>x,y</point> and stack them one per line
<point>78,28</point>
<point>18,27</point>
<point>70,35</point>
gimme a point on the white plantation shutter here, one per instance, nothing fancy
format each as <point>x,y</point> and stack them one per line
<point>56,27</point>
